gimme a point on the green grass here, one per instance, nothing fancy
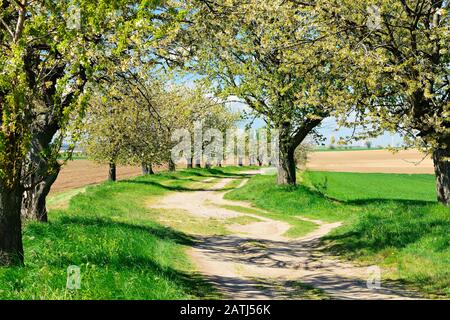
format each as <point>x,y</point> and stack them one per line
<point>288,202</point>
<point>62,199</point>
<point>390,220</point>
<point>243,220</point>
<point>232,184</point>
<point>110,234</point>
<point>359,187</point>
<point>298,227</point>
<point>185,222</point>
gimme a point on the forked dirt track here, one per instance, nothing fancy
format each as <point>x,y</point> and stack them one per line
<point>258,262</point>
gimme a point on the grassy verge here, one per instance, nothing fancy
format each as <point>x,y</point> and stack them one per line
<point>122,251</point>
<point>61,200</point>
<point>390,220</point>
<point>298,227</point>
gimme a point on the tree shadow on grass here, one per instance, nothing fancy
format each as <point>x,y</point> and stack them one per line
<point>215,173</point>
<point>159,231</point>
<point>192,283</point>
<point>175,188</point>
<point>381,222</point>
<point>389,224</point>
<point>124,259</point>
<point>164,178</point>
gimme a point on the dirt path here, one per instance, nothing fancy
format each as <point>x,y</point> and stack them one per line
<point>258,262</point>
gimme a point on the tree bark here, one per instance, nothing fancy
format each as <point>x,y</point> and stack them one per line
<point>198,163</point>
<point>240,162</point>
<point>172,166</point>
<point>150,168</point>
<point>145,170</point>
<point>112,174</point>
<point>11,247</point>
<point>288,142</point>
<point>190,161</point>
<point>441,159</point>
<point>286,166</point>
<point>34,206</point>
<point>40,170</point>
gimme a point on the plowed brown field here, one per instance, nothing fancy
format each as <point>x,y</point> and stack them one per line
<point>79,173</point>
<point>382,161</point>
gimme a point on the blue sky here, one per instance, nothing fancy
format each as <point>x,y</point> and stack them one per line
<point>330,128</point>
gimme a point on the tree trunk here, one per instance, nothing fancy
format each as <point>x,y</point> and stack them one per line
<point>112,174</point>
<point>150,168</point>
<point>286,150</point>
<point>208,165</point>
<point>190,161</point>
<point>144,167</point>
<point>198,163</point>
<point>147,168</point>
<point>11,247</point>
<point>441,160</point>
<point>34,200</point>
<point>172,166</point>
<point>40,171</point>
<point>240,162</point>
<point>286,166</point>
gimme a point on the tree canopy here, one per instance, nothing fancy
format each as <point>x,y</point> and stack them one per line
<point>271,56</point>
<point>400,70</point>
<point>50,52</point>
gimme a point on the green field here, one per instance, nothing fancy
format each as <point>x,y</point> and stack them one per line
<point>390,220</point>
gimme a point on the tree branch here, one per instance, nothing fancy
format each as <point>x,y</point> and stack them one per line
<point>7,28</point>
<point>20,21</point>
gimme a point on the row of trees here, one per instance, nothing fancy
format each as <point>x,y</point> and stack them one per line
<point>293,62</point>
<point>133,122</point>
<point>382,65</point>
